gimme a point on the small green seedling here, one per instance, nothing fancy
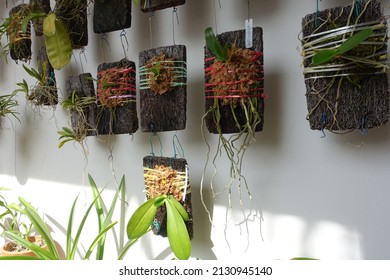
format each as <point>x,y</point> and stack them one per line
<point>178,236</point>
<point>326,55</point>
<point>220,53</point>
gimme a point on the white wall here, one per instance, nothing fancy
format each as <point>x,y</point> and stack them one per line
<point>319,197</point>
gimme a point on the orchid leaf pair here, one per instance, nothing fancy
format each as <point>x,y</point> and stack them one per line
<point>179,239</point>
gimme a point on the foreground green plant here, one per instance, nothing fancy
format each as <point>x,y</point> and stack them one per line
<point>179,239</point>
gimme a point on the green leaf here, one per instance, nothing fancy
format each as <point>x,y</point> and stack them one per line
<point>41,227</point>
<point>178,236</point>
<point>141,220</point>
<point>58,46</point>
<point>215,47</point>
<point>33,73</point>
<point>354,40</point>
<point>327,55</point>
<point>97,240</point>
<point>49,25</point>
<point>323,57</point>
<point>179,207</point>
<point>26,20</point>
<point>38,251</point>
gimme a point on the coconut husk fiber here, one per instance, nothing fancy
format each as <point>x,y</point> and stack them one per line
<point>167,111</point>
<point>342,104</point>
<point>73,14</point>
<point>120,119</point>
<point>227,119</point>
<point>82,86</point>
<point>111,15</point>
<point>154,5</point>
<point>159,227</point>
<point>20,45</point>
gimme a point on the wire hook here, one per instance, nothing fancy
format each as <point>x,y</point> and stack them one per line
<point>124,38</point>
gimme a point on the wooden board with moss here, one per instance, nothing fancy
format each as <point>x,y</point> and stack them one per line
<point>19,42</point>
<point>74,15</point>
<point>116,95</point>
<point>236,100</point>
<point>163,89</point>
<point>351,90</point>
<point>83,111</point>
<point>164,175</point>
<point>154,5</point>
<point>111,15</point>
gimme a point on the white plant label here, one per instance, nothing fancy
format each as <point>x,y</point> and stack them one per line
<point>249,33</point>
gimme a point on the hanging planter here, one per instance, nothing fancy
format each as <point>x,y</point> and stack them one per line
<point>154,5</point>
<point>234,85</point>
<point>73,14</point>
<point>163,91</point>
<point>167,176</point>
<point>344,57</point>
<point>81,103</point>
<point>111,15</point>
<point>44,93</point>
<point>116,95</point>
<point>234,92</point>
<point>19,42</point>
<point>168,209</point>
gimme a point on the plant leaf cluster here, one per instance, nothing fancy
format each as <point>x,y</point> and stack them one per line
<point>178,236</point>
<point>220,53</point>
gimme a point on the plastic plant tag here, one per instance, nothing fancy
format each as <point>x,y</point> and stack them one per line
<point>249,33</point>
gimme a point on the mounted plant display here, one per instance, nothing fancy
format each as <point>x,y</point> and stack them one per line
<point>111,15</point>
<point>234,84</point>
<point>163,90</point>
<point>344,53</point>
<point>73,14</point>
<point>19,42</point>
<point>168,210</point>
<point>45,90</point>
<point>116,96</point>
<point>81,103</point>
<point>154,5</point>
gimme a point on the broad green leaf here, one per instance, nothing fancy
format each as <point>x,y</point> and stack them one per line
<point>179,207</point>
<point>355,40</point>
<point>141,220</point>
<point>49,25</point>
<point>323,57</point>
<point>178,236</point>
<point>58,46</point>
<point>327,55</point>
